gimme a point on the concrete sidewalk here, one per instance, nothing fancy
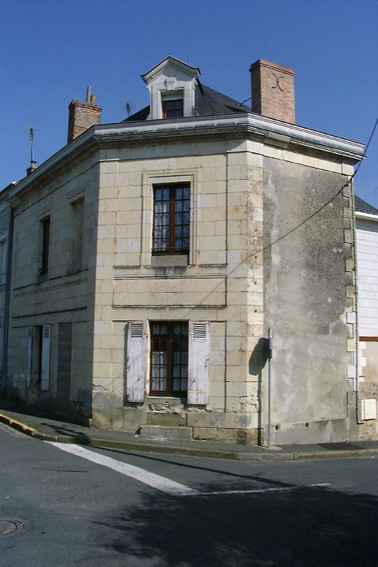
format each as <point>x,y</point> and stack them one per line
<point>43,426</point>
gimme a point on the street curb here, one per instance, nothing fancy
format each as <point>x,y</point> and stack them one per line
<point>17,425</point>
<point>147,447</point>
<point>230,455</point>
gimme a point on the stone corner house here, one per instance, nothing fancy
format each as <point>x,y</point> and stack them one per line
<point>152,259</point>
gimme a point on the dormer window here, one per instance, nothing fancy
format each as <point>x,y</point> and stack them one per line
<point>172,86</point>
<point>173,108</point>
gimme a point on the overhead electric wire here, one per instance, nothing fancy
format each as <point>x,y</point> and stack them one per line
<point>263,248</point>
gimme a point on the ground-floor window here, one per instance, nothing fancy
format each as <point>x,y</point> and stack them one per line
<point>169,358</point>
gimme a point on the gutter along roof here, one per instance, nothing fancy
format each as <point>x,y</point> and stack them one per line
<point>364,210</point>
<point>245,124</point>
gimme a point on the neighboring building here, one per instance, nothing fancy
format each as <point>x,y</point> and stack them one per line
<point>152,257</point>
<point>367,277</point>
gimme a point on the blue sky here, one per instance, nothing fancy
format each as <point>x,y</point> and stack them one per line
<point>50,50</point>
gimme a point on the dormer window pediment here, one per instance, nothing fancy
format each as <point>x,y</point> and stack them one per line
<point>172,89</point>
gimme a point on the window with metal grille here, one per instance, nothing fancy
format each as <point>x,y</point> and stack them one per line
<point>171,227</point>
<point>173,108</point>
<point>169,359</point>
<point>45,245</point>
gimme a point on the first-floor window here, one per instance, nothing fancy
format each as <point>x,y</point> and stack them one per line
<point>45,245</point>
<point>171,226</point>
<point>3,259</point>
<point>169,358</point>
<point>179,360</point>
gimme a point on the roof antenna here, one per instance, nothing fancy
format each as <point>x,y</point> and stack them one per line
<point>128,109</point>
<point>32,161</point>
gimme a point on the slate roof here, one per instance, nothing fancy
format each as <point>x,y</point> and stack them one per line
<point>208,102</point>
<point>364,207</point>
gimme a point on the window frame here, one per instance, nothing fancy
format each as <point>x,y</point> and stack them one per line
<point>161,177</point>
<point>45,245</point>
<point>3,258</point>
<point>178,108</point>
<point>169,391</point>
<point>77,223</point>
<point>172,248</point>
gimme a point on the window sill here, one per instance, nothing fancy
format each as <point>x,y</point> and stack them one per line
<point>169,260</point>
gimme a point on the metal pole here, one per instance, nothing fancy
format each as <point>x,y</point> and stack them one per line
<point>269,382</point>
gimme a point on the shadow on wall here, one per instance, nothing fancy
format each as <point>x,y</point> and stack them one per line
<point>257,362</point>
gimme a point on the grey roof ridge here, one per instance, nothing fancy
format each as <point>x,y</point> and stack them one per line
<point>364,207</point>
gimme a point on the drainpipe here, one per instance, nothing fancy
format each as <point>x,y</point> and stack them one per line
<point>7,300</point>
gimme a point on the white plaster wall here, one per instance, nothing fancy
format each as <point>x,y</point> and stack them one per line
<point>367,260</point>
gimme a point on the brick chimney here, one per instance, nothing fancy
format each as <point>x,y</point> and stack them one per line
<point>273,91</point>
<point>82,115</point>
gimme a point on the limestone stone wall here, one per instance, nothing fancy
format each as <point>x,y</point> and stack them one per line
<point>4,246</point>
<point>299,282</point>
<point>271,246</point>
<point>221,282</point>
<point>58,296</point>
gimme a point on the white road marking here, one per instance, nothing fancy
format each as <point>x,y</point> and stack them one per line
<point>151,479</point>
<point>260,490</point>
<point>160,482</point>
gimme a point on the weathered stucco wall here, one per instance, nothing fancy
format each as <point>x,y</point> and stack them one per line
<point>305,299</point>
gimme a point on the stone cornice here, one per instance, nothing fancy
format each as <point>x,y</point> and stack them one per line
<point>267,130</point>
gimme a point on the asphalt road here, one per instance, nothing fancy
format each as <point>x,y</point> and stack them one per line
<point>107,508</point>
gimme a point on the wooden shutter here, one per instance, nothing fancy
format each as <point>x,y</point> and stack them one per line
<point>199,355</point>
<point>29,357</point>
<point>136,362</point>
<point>45,362</point>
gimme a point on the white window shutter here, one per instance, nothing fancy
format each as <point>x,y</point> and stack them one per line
<point>136,361</point>
<point>199,355</point>
<point>45,370</point>
<point>29,357</point>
